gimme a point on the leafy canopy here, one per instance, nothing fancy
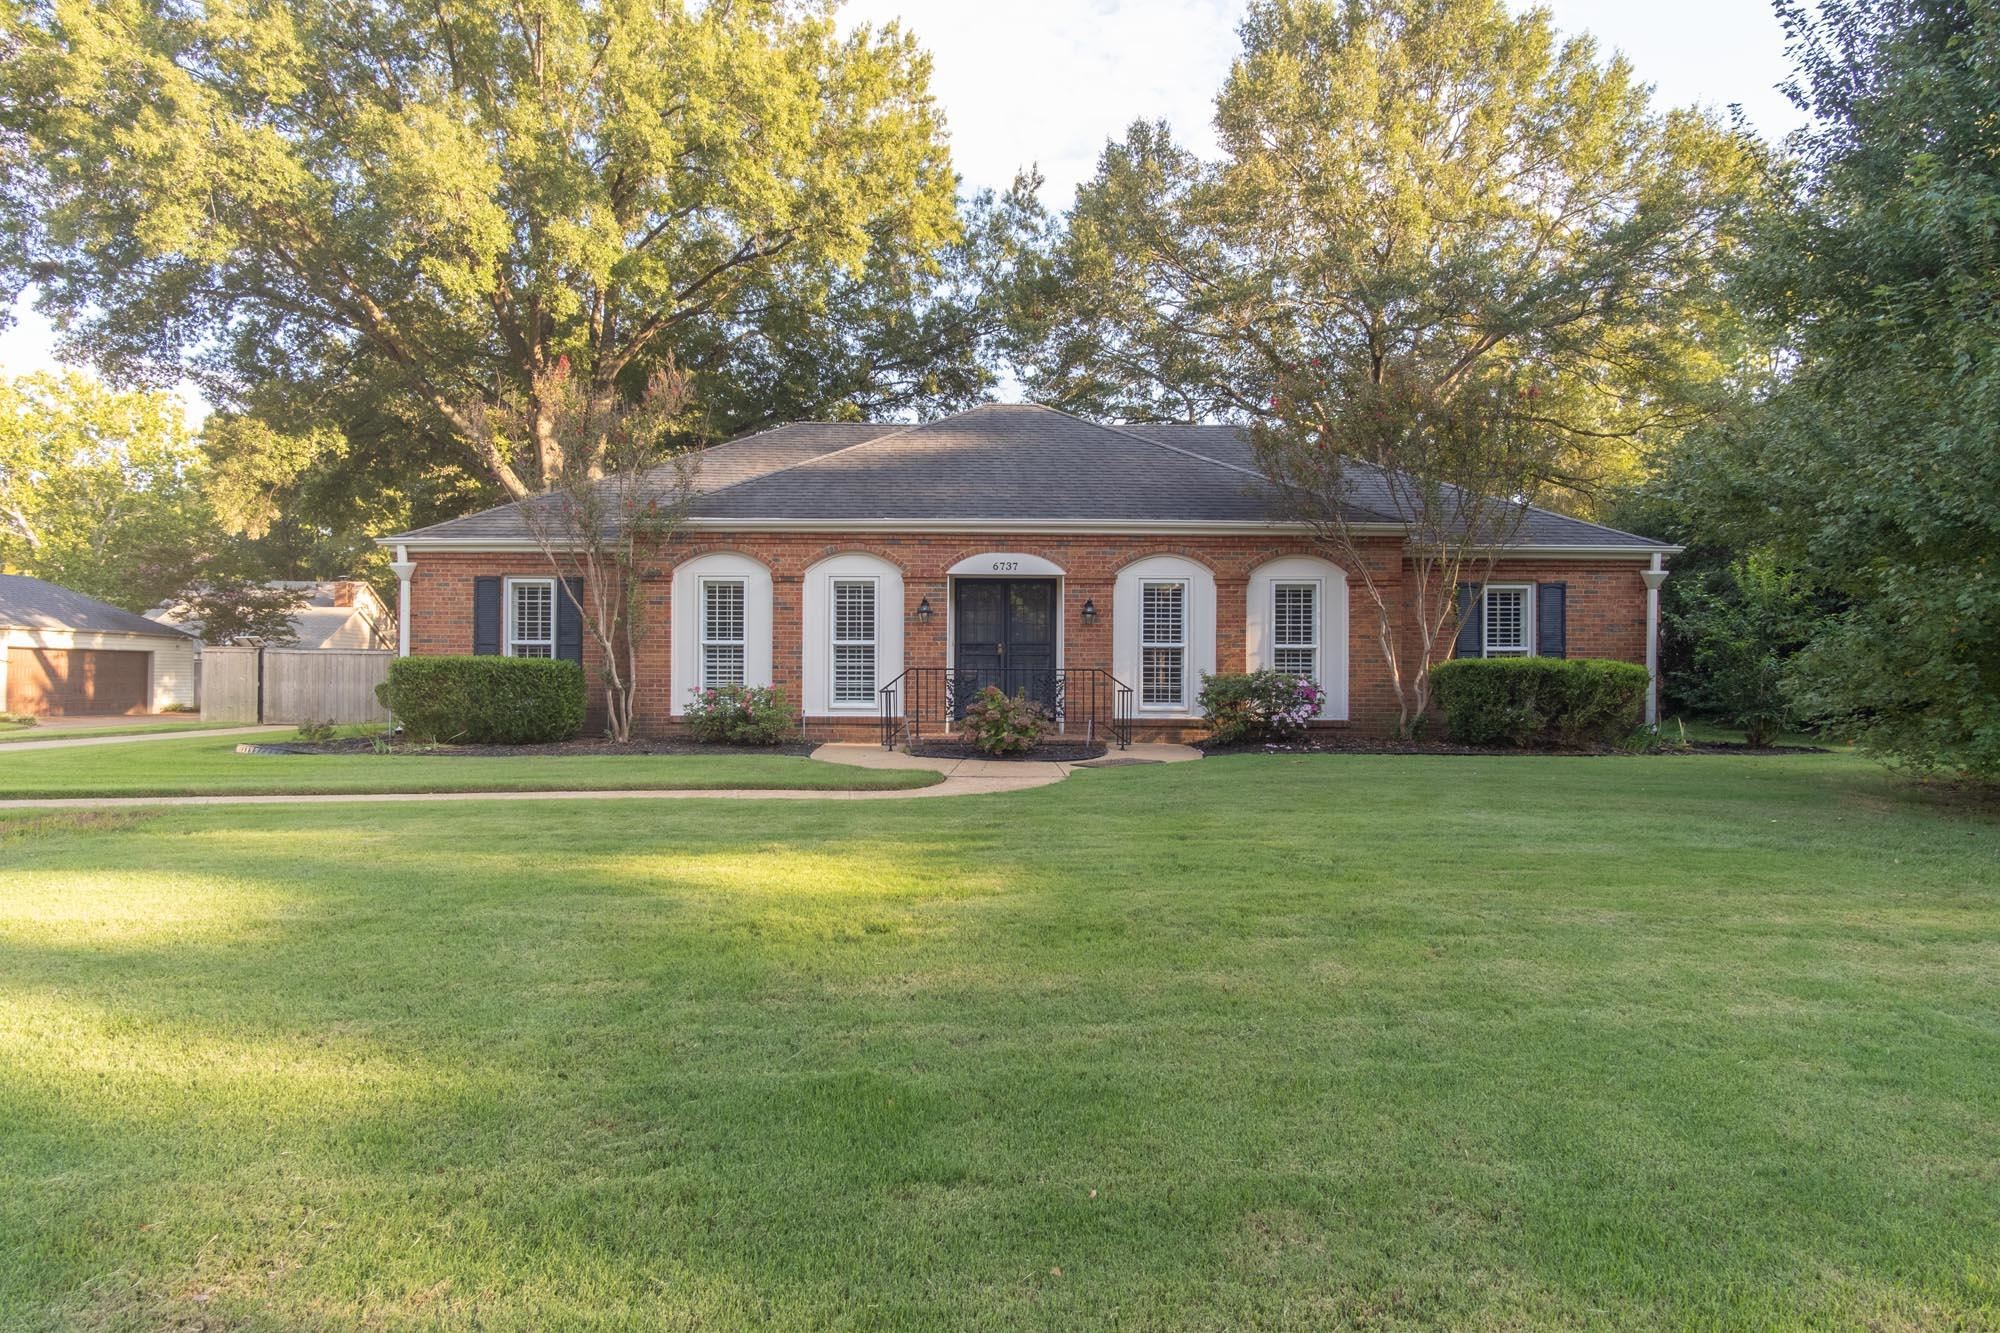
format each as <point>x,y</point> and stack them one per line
<point>1415,187</point>
<point>1873,464</point>
<point>444,199</point>
<point>99,490</point>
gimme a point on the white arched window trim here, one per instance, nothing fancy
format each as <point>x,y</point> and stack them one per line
<point>1199,630</point>
<point>686,616</point>
<point>817,629</point>
<point>1259,634</point>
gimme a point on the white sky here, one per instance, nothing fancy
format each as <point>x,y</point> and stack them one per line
<point>1047,82</point>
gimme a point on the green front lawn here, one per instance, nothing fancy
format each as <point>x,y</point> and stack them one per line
<point>212,767</point>
<point>1251,1042</point>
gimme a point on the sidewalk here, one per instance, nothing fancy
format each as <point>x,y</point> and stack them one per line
<point>962,777</point>
<point>66,742</point>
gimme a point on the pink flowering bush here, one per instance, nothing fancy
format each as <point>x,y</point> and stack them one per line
<point>998,724</point>
<point>739,715</point>
<point>1259,705</point>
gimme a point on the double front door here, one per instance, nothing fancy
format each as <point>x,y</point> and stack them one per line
<point>1005,635</point>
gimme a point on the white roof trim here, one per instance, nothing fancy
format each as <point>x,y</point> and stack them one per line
<point>1017,527</point>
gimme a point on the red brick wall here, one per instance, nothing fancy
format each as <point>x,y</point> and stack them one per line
<point>1606,603</point>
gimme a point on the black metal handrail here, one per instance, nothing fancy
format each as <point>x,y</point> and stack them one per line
<point>1089,700</point>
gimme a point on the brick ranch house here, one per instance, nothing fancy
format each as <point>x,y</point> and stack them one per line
<point>886,572</point>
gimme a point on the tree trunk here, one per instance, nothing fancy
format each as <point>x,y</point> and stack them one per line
<point>548,448</point>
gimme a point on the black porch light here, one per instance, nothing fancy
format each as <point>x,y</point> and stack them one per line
<point>924,610</point>
<point>1089,612</point>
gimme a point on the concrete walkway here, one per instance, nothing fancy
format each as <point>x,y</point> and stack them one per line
<point>69,742</point>
<point>962,777</point>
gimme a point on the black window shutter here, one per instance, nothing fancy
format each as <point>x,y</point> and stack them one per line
<point>486,616</point>
<point>1551,619</point>
<point>569,622</point>
<point>1471,622</point>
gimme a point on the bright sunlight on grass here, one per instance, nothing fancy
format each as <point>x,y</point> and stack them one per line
<point>1292,1043</point>
<point>197,766</point>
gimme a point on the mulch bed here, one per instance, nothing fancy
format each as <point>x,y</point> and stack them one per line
<point>1344,743</point>
<point>597,746</point>
<point>1046,754</point>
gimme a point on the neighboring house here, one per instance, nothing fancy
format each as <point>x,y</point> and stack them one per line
<point>341,613</point>
<point>68,654</point>
<point>875,569</point>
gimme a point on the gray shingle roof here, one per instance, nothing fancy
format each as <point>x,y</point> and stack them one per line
<point>1001,463</point>
<point>27,603</point>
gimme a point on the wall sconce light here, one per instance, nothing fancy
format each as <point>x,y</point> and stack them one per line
<point>924,611</point>
<point>1089,612</point>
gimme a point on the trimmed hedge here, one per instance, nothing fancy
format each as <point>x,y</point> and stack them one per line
<point>1538,702</point>
<point>485,700</point>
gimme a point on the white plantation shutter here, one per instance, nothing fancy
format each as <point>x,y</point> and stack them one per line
<point>1163,644</point>
<point>853,641</point>
<point>721,632</point>
<point>1506,622</point>
<point>531,618</point>
<point>1295,629</point>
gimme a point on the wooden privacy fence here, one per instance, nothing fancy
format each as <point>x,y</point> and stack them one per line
<point>293,685</point>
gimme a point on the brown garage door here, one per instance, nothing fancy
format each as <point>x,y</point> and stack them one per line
<point>56,681</point>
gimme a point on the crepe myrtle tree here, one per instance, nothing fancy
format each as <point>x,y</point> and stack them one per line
<point>620,493</point>
<point>1350,450</point>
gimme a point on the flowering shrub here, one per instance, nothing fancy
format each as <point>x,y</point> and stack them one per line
<point>739,715</point>
<point>1259,705</point>
<point>999,724</point>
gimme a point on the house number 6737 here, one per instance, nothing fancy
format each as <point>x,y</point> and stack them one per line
<point>1005,566</point>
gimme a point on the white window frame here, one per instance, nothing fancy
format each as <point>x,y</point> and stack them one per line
<point>509,641</point>
<point>1318,587</point>
<point>1527,645</point>
<point>835,643</point>
<point>1178,704</point>
<point>706,641</point>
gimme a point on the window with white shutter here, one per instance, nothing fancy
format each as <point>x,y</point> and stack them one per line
<point>1163,645</point>
<point>531,618</point>
<point>1295,629</point>
<point>721,632</point>
<point>853,641</point>
<point>1508,615</point>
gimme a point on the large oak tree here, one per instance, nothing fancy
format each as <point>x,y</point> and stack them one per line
<point>1435,190</point>
<point>393,212</point>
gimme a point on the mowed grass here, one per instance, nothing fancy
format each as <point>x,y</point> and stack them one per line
<point>1253,1042</point>
<point>195,766</point>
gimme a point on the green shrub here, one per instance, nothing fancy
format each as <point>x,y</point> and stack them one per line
<point>999,724</point>
<point>1538,702</point>
<point>739,715</point>
<point>1745,626</point>
<point>485,700</point>
<point>316,731</point>
<point>18,719</point>
<point>1258,705</point>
